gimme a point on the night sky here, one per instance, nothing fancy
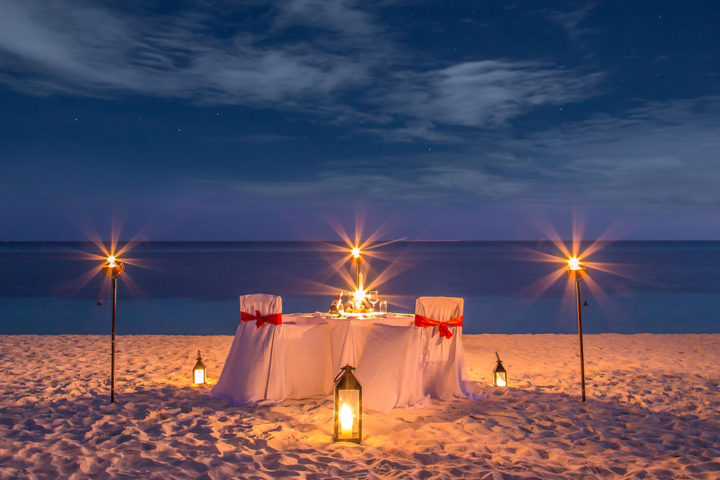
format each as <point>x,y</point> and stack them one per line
<point>440,120</point>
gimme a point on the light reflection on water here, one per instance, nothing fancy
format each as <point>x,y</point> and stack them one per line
<point>192,288</point>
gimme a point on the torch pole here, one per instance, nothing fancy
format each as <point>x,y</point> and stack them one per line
<point>357,272</point>
<point>580,335</point>
<point>112,344</point>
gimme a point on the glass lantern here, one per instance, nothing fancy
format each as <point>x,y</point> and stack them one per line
<point>499,374</point>
<point>199,371</point>
<point>348,407</point>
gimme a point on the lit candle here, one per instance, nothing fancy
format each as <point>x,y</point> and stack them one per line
<point>500,380</point>
<point>346,419</point>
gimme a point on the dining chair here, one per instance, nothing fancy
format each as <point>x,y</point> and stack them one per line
<point>439,324</point>
<point>252,368</point>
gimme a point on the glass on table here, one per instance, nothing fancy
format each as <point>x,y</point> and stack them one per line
<point>383,307</point>
<point>373,298</point>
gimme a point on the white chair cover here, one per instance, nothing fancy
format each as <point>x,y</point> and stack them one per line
<point>250,372</point>
<point>443,360</point>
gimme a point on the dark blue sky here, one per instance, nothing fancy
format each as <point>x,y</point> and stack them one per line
<point>446,120</point>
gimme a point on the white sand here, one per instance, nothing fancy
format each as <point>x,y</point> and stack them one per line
<point>652,412</point>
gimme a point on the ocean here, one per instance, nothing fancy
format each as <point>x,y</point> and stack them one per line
<point>192,287</point>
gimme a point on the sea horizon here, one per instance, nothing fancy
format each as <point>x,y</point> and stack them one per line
<point>191,287</point>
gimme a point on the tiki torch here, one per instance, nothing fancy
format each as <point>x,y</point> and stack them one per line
<point>577,271</point>
<point>113,269</point>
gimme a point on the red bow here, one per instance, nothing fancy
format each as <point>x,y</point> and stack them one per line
<point>273,318</point>
<point>421,321</point>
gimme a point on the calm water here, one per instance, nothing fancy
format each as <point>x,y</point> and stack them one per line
<point>192,288</point>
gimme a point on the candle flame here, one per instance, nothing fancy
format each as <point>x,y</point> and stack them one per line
<point>346,419</point>
<point>359,295</point>
<point>500,380</point>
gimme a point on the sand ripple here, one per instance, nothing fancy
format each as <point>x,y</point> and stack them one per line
<point>652,412</point>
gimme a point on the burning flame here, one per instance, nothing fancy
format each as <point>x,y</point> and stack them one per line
<point>199,375</point>
<point>573,263</point>
<point>358,296</point>
<point>111,261</point>
<point>355,252</point>
<point>346,419</point>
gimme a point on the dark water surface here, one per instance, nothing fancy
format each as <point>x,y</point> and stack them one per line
<point>192,288</point>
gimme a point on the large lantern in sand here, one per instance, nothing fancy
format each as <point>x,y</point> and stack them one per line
<point>348,407</point>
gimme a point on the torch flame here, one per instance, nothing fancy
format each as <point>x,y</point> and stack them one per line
<point>111,261</point>
<point>574,263</point>
<point>356,252</point>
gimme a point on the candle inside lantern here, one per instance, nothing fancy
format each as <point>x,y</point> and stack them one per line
<point>199,371</point>
<point>500,380</point>
<point>346,419</point>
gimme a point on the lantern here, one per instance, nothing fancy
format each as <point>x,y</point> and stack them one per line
<point>348,407</point>
<point>499,374</point>
<point>199,371</point>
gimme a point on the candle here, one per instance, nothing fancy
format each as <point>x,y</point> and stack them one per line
<point>346,419</point>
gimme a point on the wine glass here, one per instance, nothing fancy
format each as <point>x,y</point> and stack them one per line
<point>373,298</point>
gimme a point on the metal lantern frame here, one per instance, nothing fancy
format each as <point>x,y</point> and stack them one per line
<point>499,369</point>
<point>199,365</point>
<point>346,382</point>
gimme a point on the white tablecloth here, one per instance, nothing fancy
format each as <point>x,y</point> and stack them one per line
<point>308,350</point>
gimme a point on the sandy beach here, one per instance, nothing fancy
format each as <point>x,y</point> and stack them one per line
<point>652,412</point>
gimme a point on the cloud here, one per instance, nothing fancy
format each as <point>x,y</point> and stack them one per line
<point>329,59</point>
<point>658,154</point>
<point>88,50</point>
<point>572,19</point>
<point>658,157</point>
<point>479,94</point>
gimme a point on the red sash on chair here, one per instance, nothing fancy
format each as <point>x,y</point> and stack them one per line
<point>421,321</point>
<point>273,318</point>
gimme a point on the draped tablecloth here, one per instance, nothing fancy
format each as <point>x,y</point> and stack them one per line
<point>309,349</point>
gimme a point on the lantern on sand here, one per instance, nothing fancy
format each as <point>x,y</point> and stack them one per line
<point>348,407</point>
<point>499,373</point>
<point>199,371</point>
